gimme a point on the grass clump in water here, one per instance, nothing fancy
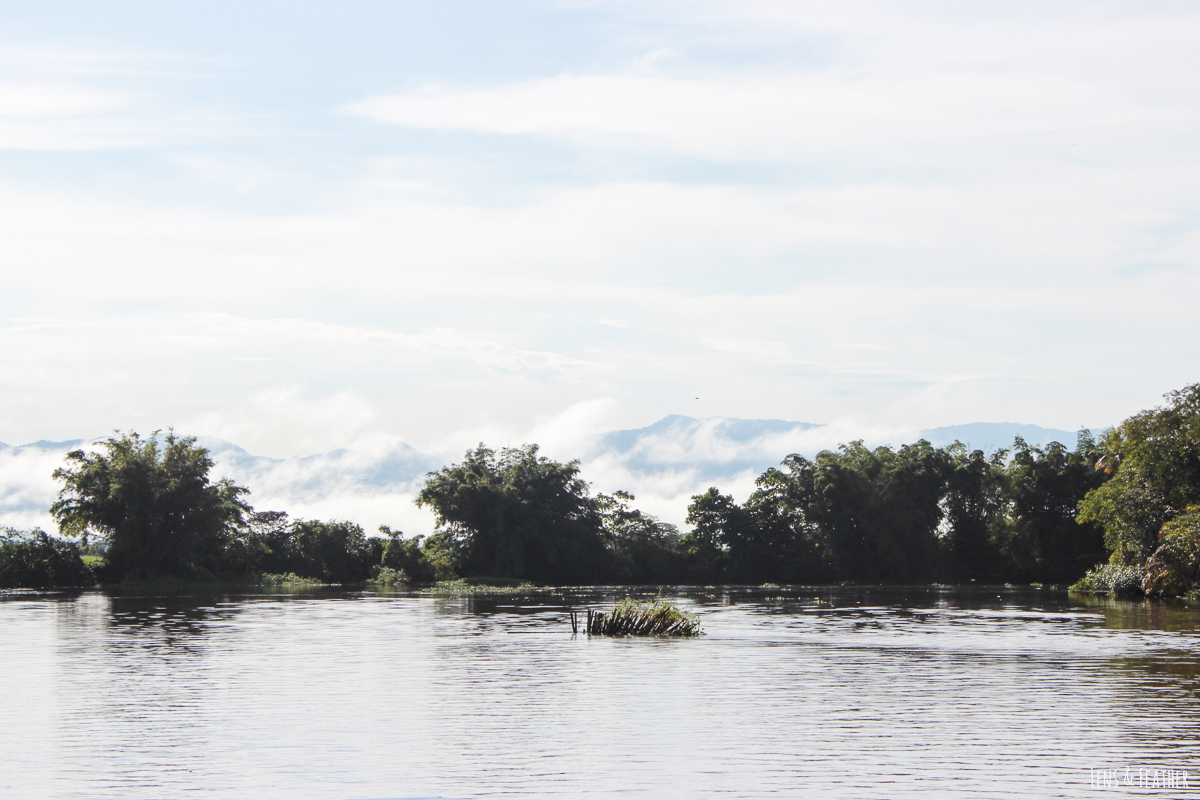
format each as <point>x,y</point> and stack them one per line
<point>631,618</point>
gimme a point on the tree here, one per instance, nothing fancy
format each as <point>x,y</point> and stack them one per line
<point>335,552</point>
<point>33,559</point>
<point>515,514</point>
<point>909,514</point>
<point>716,520</point>
<point>1047,540</point>
<point>407,556</point>
<point>860,514</point>
<point>1174,568</point>
<point>155,506</point>
<point>642,548</point>
<point>1154,460</point>
<point>975,506</point>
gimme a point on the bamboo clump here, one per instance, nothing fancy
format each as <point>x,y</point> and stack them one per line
<point>631,618</point>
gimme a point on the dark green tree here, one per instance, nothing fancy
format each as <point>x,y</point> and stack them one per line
<point>154,505</point>
<point>642,549</point>
<point>867,515</point>
<point>975,506</point>
<point>262,543</point>
<point>910,514</point>
<point>407,556</point>
<point>515,514</point>
<point>1045,539</point>
<point>35,560</point>
<point>716,520</point>
<point>334,552</point>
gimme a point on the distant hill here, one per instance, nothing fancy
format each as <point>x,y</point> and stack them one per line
<point>991,436</point>
<point>712,447</point>
<point>44,444</point>
<point>738,430</point>
<point>745,442</point>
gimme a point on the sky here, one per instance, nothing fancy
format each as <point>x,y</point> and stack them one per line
<point>304,226</point>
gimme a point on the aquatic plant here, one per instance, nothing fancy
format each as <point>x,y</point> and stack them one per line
<point>632,618</point>
<point>461,586</point>
<point>287,579</point>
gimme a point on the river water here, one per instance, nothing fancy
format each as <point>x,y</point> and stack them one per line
<point>832,693</point>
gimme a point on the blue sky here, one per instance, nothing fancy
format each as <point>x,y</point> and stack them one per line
<point>302,226</point>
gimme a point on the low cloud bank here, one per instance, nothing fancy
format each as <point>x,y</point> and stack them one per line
<point>663,465</point>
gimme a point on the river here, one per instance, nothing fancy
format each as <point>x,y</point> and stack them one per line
<point>835,693</point>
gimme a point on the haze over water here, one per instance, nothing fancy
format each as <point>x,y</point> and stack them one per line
<point>792,693</point>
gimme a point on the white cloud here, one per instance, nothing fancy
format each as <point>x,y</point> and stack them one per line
<point>879,117</point>
<point>26,487</point>
<point>27,100</point>
<point>1000,204</point>
<point>309,425</point>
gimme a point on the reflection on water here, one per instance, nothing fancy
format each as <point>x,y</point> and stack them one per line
<point>927,692</point>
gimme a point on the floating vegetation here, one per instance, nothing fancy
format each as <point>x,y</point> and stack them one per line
<point>461,586</point>
<point>631,618</point>
<point>287,579</point>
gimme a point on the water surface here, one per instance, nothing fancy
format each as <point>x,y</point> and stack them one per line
<point>842,693</point>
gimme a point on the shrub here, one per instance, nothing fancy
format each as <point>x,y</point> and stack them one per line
<point>407,558</point>
<point>36,560</point>
<point>386,576</point>
<point>1174,568</point>
<point>1112,579</point>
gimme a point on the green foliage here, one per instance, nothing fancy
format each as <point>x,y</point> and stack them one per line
<point>1154,460</point>
<point>445,553</point>
<point>975,506</point>
<point>335,552</point>
<point>906,515</point>
<point>517,515</point>
<point>460,586</point>
<point>716,520</point>
<point>1174,568</point>
<point>1114,579</point>
<point>641,548</point>
<point>269,543</point>
<point>405,560</point>
<point>631,618</point>
<point>36,560</point>
<point>154,507</point>
<point>386,576</point>
<point>1044,539</point>
<point>286,579</point>
<point>856,514</point>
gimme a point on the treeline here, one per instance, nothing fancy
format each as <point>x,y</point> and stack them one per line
<point>141,510</point>
<point>915,514</point>
<point>144,510</point>
<point>909,515</point>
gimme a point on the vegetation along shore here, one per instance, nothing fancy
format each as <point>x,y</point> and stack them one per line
<point>1118,514</point>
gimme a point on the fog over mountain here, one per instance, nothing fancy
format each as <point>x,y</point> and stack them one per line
<point>663,464</point>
